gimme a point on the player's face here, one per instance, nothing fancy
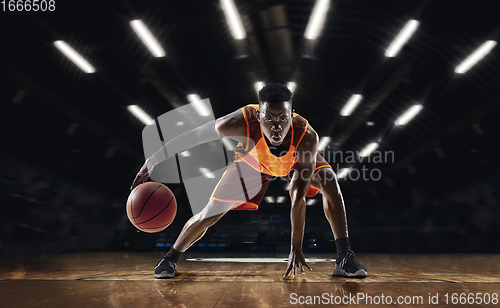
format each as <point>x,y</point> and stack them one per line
<point>275,120</point>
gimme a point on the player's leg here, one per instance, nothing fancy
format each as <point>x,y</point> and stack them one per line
<point>333,204</point>
<point>196,226</point>
<point>192,231</point>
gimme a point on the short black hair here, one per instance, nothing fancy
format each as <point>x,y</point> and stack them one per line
<point>274,93</point>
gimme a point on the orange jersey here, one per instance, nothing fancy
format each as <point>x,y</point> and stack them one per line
<point>256,152</point>
<point>245,187</point>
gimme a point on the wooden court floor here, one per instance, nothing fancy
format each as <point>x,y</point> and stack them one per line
<point>126,280</point>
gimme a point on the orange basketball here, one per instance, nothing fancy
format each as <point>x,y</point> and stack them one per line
<point>151,207</point>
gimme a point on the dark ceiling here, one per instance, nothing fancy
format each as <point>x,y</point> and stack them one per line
<point>77,124</point>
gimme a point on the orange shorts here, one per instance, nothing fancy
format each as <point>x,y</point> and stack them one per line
<point>245,186</point>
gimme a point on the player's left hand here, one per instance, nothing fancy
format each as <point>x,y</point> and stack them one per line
<point>296,260</point>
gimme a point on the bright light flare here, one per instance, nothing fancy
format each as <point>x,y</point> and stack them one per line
<point>258,86</point>
<point>317,19</point>
<point>233,19</point>
<point>311,202</point>
<point>147,38</point>
<point>343,173</point>
<point>401,39</point>
<point>198,105</point>
<point>74,56</point>
<point>207,173</point>
<point>270,199</point>
<point>368,149</point>
<point>141,114</point>
<point>323,142</point>
<point>475,57</point>
<point>185,154</point>
<point>351,104</point>
<point>291,86</point>
<point>408,115</point>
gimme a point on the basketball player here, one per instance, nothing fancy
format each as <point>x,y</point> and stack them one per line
<point>264,130</point>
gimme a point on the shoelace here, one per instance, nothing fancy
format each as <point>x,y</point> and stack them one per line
<point>347,256</point>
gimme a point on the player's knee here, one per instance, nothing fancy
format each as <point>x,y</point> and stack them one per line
<point>205,222</point>
<point>210,221</point>
<point>327,177</point>
<point>212,213</point>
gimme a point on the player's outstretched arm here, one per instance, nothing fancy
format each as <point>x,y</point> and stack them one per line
<point>299,185</point>
<point>232,125</point>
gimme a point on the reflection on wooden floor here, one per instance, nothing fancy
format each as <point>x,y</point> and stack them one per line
<point>126,280</point>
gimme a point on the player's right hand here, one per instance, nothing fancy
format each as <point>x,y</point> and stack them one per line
<point>146,170</point>
<point>296,260</point>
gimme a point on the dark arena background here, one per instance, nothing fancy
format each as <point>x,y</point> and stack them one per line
<point>423,204</point>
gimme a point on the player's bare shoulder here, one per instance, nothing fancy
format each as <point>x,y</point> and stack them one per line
<point>310,140</point>
<point>232,125</point>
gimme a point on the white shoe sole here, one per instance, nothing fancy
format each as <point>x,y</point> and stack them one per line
<point>361,273</point>
<point>165,275</point>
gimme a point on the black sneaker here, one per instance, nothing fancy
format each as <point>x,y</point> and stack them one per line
<point>348,266</point>
<point>165,268</point>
